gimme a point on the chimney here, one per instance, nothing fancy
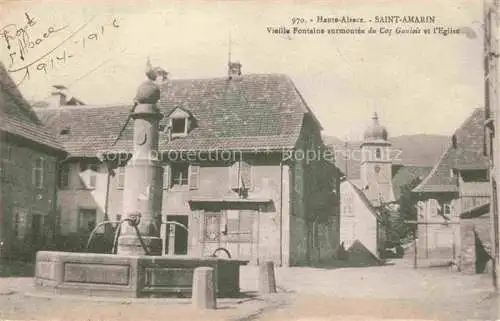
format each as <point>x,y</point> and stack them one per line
<point>234,70</point>
<point>57,97</point>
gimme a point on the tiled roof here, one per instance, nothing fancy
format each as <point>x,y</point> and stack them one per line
<point>405,175</point>
<point>476,211</point>
<point>254,112</point>
<point>364,199</point>
<point>17,116</point>
<point>467,153</point>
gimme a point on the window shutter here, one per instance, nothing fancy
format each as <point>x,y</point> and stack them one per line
<point>92,180</point>
<point>121,177</point>
<point>246,175</point>
<point>234,172</point>
<point>166,176</point>
<point>194,176</point>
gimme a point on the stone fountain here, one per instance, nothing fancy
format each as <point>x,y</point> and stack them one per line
<point>137,269</point>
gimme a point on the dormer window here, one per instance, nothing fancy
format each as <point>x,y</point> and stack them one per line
<point>180,122</point>
<point>179,126</point>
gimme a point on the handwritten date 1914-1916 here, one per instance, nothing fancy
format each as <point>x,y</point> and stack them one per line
<point>20,42</point>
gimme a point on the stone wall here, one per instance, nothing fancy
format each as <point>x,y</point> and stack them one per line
<point>475,244</point>
<point>440,239</point>
<point>28,211</point>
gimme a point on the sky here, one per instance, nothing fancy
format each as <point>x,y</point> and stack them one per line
<point>417,83</point>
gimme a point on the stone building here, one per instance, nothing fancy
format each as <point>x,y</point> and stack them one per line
<point>234,169</point>
<point>458,183</point>
<point>29,162</point>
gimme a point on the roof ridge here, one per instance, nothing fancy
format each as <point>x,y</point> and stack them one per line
<point>434,168</point>
<point>243,76</point>
<point>463,125</point>
<point>83,107</point>
<point>272,118</point>
<point>364,198</point>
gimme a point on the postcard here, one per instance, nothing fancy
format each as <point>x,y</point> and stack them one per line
<point>248,160</point>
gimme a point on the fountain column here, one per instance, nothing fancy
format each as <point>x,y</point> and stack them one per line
<point>142,195</point>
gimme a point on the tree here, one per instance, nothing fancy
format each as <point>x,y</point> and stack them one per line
<point>408,209</point>
<point>394,214</point>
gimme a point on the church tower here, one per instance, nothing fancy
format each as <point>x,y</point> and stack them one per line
<point>376,164</point>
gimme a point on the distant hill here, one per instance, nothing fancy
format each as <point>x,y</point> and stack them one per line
<point>420,150</point>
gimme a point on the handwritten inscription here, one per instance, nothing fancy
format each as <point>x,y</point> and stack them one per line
<point>22,40</point>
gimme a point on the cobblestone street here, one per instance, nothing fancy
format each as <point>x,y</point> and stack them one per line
<point>395,292</point>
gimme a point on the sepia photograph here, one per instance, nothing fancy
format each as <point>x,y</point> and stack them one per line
<point>250,160</point>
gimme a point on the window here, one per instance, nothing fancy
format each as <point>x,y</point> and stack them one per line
<point>6,151</point>
<point>241,176</point>
<point>378,153</point>
<point>19,222</point>
<point>238,226</point>
<point>38,172</point>
<point>315,235</point>
<point>179,125</point>
<point>88,173</point>
<point>120,176</point>
<point>64,176</point>
<point>17,225</point>
<point>180,173</point>
<point>3,175</point>
<point>348,203</point>
<point>447,209</point>
<point>194,175</point>
<point>212,227</point>
<point>87,219</point>
<point>479,175</point>
<point>298,186</point>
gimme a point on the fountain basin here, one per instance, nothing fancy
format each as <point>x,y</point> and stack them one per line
<point>130,276</point>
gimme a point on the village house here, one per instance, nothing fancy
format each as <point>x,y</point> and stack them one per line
<point>29,162</point>
<point>453,200</point>
<point>373,179</point>
<point>361,229</point>
<point>234,171</point>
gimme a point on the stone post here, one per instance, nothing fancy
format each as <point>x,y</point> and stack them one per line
<point>267,281</point>
<point>142,193</point>
<point>204,292</point>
